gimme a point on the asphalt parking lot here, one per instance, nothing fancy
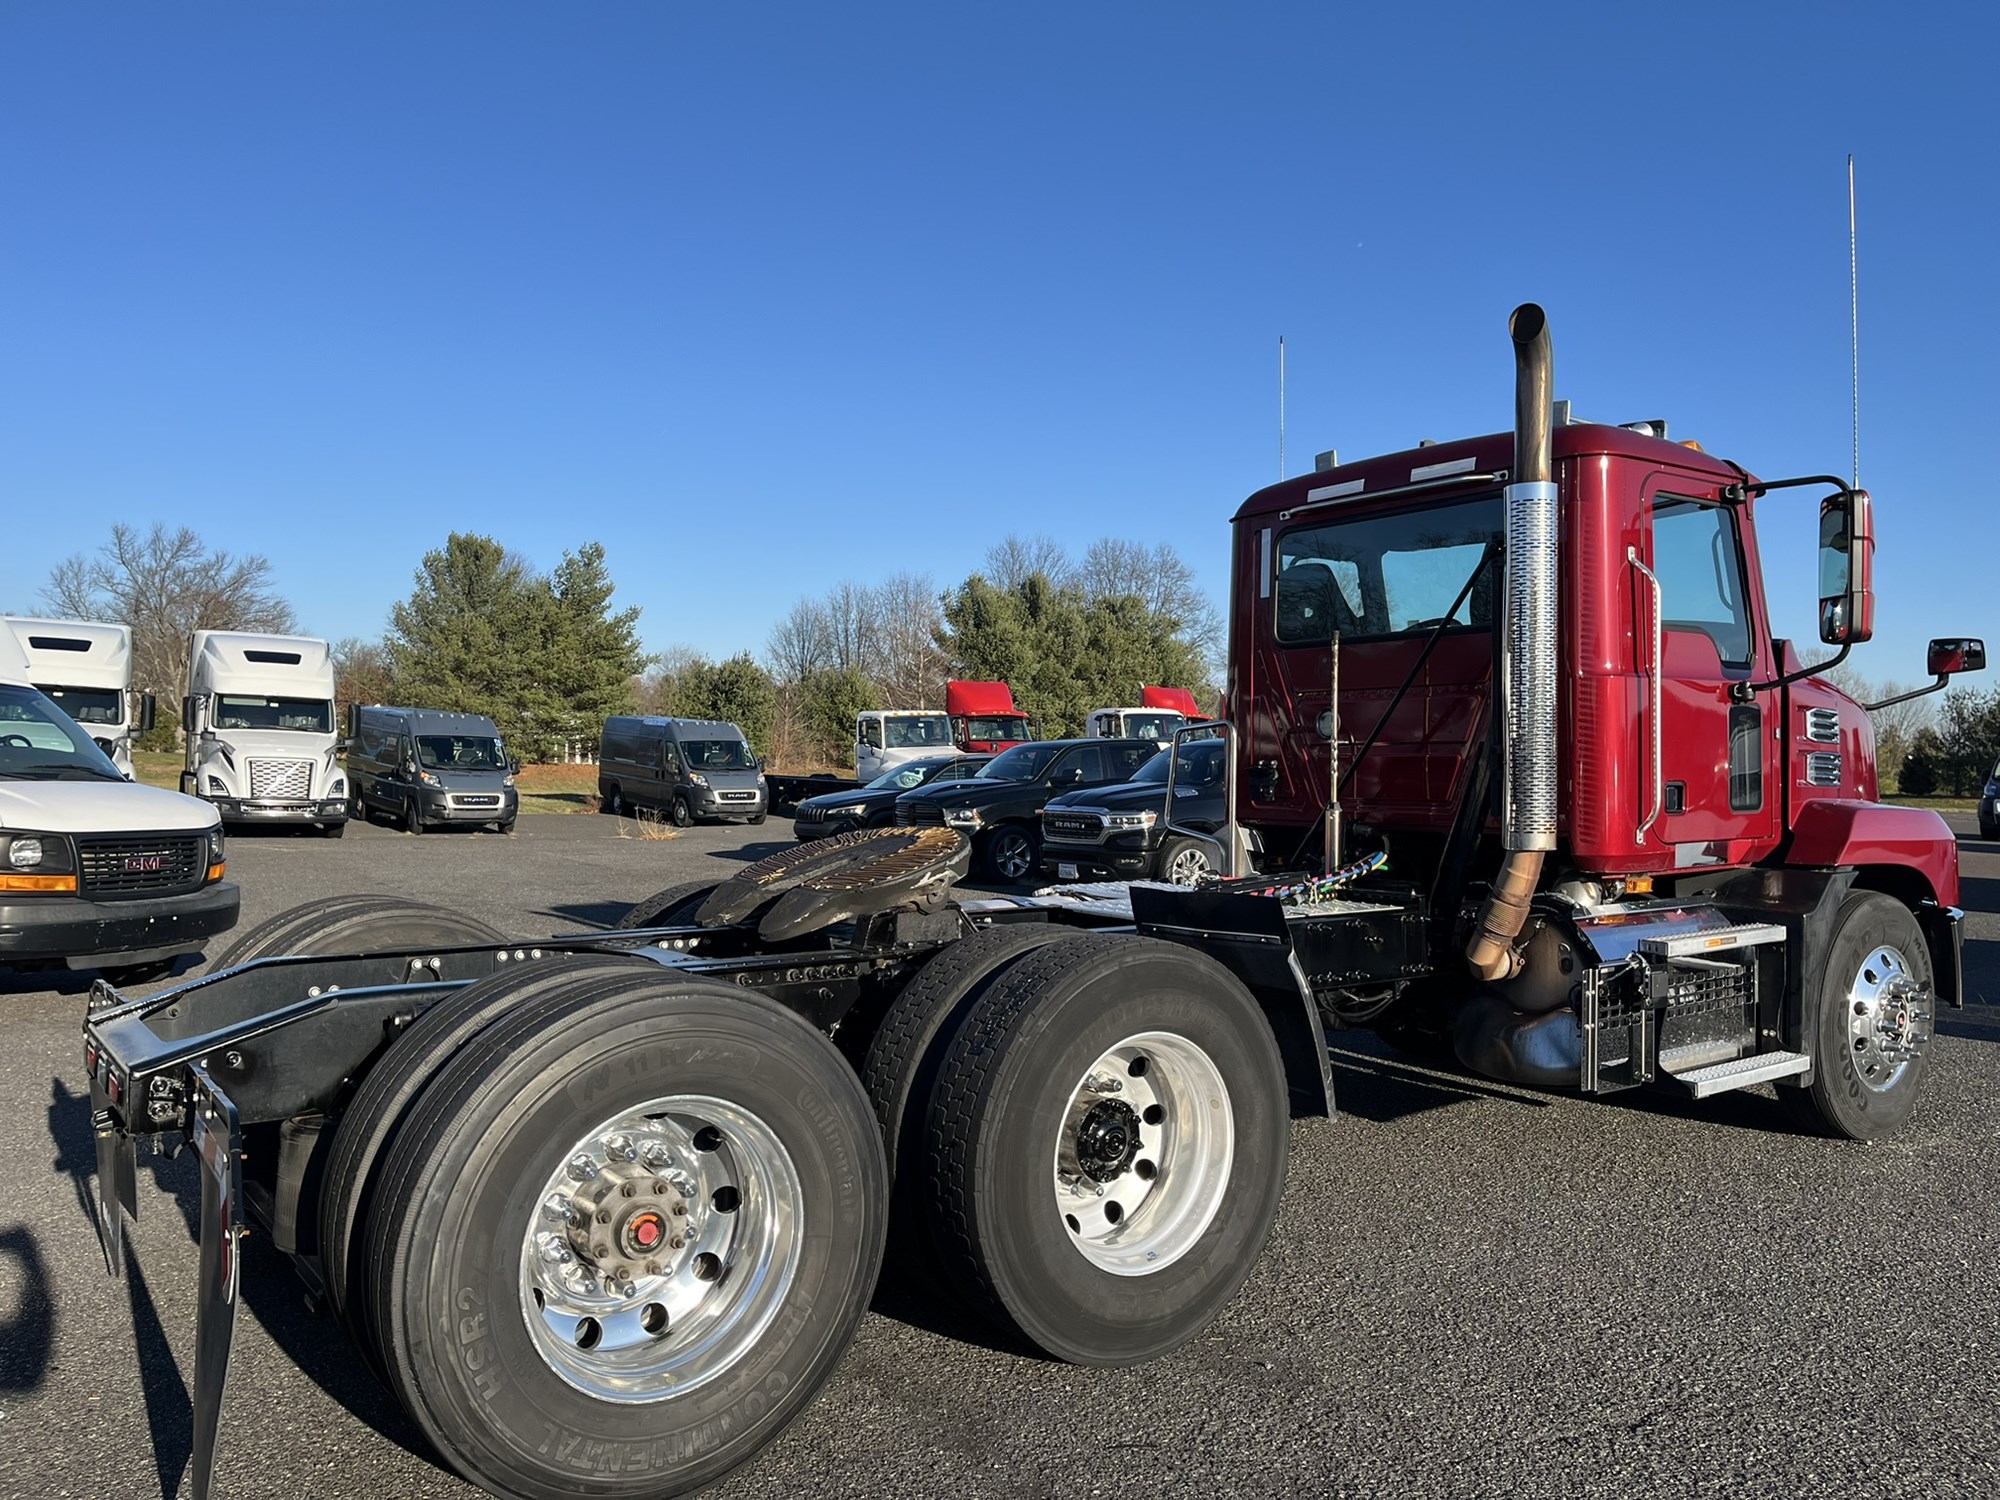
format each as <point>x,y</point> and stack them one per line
<point>1472,1289</point>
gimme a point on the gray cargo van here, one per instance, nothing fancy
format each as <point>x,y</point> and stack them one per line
<point>685,768</point>
<point>424,767</point>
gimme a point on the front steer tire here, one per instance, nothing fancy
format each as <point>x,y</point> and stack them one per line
<point>1852,1095</point>
<point>1014,1100</point>
<point>469,1174</point>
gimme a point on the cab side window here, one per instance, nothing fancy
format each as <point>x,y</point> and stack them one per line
<point>1700,566</point>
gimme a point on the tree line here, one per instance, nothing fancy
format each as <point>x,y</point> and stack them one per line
<point>548,659</point>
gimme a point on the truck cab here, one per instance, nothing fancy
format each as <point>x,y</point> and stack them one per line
<point>885,738</point>
<point>984,719</point>
<point>1156,724</point>
<point>85,668</point>
<point>261,740</point>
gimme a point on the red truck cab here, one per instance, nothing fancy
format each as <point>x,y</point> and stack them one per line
<point>984,720</point>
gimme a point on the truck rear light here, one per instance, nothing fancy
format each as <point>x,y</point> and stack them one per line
<point>114,1088</point>
<point>65,884</point>
<point>90,1059</point>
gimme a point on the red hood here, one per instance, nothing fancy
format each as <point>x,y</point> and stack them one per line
<point>1180,700</point>
<point>962,699</point>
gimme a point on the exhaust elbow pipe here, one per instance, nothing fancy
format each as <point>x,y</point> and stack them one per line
<point>1529,678</point>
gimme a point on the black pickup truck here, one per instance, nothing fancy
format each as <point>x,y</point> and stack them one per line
<point>874,805</point>
<point>1119,832</point>
<point>1000,808</point>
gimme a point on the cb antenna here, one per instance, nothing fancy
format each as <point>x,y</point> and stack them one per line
<point>1854,320</point>
<point>1281,406</point>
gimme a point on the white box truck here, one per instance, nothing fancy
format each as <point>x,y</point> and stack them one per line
<point>95,871</point>
<point>260,730</point>
<point>85,666</point>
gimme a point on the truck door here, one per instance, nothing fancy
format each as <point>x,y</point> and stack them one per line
<point>1716,801</point>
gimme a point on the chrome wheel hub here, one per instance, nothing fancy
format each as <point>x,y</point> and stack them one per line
<point>1143,1156</point>
<point>1188,867</point>
<point>1889,1016</point>
<point>661,1248</point>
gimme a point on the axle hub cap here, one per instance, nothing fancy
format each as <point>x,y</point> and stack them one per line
<point>1889,1016</point>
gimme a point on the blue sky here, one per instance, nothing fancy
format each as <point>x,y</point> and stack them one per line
<point>719,285</point>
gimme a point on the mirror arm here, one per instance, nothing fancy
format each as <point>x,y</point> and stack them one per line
<point>1942,679</point>
<point>1741,692</point>
<point>1743,491</point>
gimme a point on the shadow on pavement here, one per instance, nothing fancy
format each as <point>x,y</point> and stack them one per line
<point>27,1332</point>
<point>1382,1089</point>
<point>590,913</point>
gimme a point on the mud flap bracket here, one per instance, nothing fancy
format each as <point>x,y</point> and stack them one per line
<point>217,1139</point>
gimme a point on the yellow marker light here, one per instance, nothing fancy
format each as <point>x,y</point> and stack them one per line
<point>1638,885</point>
<point>215,871</point>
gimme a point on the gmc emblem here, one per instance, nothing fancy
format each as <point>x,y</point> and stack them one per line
<point>136,864</point>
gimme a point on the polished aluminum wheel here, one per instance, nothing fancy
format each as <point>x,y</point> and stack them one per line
<point>661,1248</point>
<point>1889,1015</point>
<point>1143,1156</point>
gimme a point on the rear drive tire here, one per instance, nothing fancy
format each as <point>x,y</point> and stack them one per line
<point>378,1106</point>
<point>1123,1063</point>
<point>1009,853</point>
<point>673,907</point>
<point>502,1325</point>
<point>682,814</point>
<point>354,924</point>
<point>1876,989</point>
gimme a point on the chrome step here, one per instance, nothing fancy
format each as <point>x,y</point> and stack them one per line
<point>1741,1072</point>
<point>1714,940</point>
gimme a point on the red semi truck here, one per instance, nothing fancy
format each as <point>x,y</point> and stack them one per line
<point>604,1209</point>
<point>983,717</point>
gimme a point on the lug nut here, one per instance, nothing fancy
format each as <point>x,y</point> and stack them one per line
<point>557,1207</point>
<point>582,1168</point>
<point>680,1209</point>
<point>604,1216</point>
<point>554,1249</point>
<point>1103,1083</point>
<point>620,1148</point>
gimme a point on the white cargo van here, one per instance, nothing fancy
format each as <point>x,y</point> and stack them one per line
<point>86,667</point>
<point>96,871</point>
<point>260,732</point>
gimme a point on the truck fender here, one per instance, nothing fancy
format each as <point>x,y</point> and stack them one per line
<point>1832,833</point>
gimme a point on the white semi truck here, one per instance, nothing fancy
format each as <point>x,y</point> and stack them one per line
<point>885,738</point>
<point>85,667</point>
<point>260,730</point>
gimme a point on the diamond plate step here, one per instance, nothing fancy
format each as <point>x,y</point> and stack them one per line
<point>1714,940</point>
<point>1741,1072</point>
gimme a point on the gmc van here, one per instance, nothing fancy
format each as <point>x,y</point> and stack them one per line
<point>685,768</point>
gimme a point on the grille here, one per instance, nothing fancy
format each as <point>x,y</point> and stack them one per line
<point>921,814</point>
<point>149,862</point>
<point>738,796</point>
<point>1073,825</point>
<point>1823,725</point>
<point>281,778</point>
<point>476,799</point>
<point>1823,768</point>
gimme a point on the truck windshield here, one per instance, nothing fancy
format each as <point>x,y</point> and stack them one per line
<point>996,729</point>
<point>87,705</point>
<point>927,732</point>
<point>307,715</point>
<point>1201,765</point>
<point>718,755</point>
<point>39,742</point>
<point>1152,726</point>
<point>454,752</point>
<point>1387,575</point>
<point>1022,763</point>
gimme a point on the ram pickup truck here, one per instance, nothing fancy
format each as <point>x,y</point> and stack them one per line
<point>1120,832</point>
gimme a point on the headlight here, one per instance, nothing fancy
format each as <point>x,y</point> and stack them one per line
<point>36,862</point>
<point>427,779</point>
<point>24,854</point>
<point>695,778</point>
<point>963,817</point>
<point>506,781</point>
<point>1131,820</point>
<point>338,789</point>
<point>215,845</point>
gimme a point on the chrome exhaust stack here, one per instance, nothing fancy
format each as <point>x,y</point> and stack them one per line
<point>1529,674</point>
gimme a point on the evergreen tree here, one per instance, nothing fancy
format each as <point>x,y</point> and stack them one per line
<point>737,690</point>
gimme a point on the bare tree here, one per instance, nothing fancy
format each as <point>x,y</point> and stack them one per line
<point>1896,725</point>
<point>1017,559</point>
<point>800,644</point>
<point>659,691</point>
<point>907,665</point>
<point>1159,579</point>
<point>849,612</point>
<point>166,585</point>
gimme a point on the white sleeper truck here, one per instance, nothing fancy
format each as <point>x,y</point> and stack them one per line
<point>260,730</point>
<point>86,668</point>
